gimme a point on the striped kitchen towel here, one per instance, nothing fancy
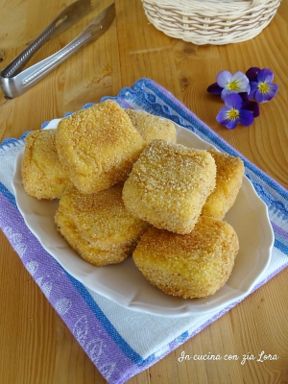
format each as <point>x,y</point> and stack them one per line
<point>119,341</point>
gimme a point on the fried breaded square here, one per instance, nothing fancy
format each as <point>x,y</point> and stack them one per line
<point>169,184</point>
<point>189,266</point>
<point>98,226</point>
<point>98,146</point>
<point>43,176</point>
<point>152,127</point>
<point>229,177</point>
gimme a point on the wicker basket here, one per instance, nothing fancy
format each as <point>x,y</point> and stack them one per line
<point>211,21</point>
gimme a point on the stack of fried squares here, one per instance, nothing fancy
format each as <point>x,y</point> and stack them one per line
<point>126,187</point>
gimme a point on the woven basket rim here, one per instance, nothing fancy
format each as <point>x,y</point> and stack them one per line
<point>221,8</point>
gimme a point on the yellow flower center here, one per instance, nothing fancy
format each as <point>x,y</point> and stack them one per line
<point>232,114</point>
<point>263,87</point>
<point>233,85</point>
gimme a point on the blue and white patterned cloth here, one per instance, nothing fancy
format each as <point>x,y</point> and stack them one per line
<point>120,342</point>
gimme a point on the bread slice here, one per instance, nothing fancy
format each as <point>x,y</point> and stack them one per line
<point>169,184</point>
<point>229,177</point>
<point>98,146</point>
<point>188,266</point>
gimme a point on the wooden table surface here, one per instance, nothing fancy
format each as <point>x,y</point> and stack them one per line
<point>35,345</point>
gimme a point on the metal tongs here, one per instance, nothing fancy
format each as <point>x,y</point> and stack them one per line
<point>14,83</point>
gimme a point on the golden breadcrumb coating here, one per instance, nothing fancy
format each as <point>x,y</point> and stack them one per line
<point>188,266</point>
<point>98,226</point>
<point>152,127</point>
<point>42,174</point>
<point>169,184</point>
<point>98,146</point>
<point>229,177</point>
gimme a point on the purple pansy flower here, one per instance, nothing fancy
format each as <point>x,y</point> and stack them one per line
<point>262,87</point>
<point>242,94</point>
<point>233,83</point>
<point>250,104</point>
<point>233,112</point>
<point>215,89</point>
<point>252,73</point>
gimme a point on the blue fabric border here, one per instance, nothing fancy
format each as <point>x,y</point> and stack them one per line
<point>282,247</point>
<point>99,314</point>
<point>9,196</point>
